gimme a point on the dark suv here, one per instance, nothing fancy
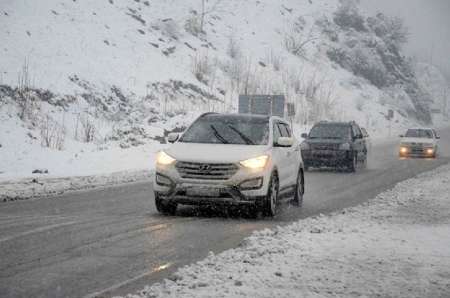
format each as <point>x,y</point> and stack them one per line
<point>334,144</point>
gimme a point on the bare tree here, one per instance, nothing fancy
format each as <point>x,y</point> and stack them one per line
<point>295,42</point>
<point>23,88</point>
<point>206,10</point>
<point>52,133</point>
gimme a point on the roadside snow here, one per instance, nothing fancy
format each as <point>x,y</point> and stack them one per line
<point>396,245</point>
<point>42,186</point>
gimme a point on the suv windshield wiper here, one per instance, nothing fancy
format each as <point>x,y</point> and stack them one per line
<point>246,139</point>
<point>218,135</point>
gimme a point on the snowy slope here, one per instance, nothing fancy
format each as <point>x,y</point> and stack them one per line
<point>135,69</point>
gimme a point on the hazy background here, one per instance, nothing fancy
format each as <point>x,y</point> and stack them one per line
<point>429,25</point>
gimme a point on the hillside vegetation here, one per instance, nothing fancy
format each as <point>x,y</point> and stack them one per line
<point>100,75</point>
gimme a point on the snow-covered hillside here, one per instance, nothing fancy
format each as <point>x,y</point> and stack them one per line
<point>90,87</point>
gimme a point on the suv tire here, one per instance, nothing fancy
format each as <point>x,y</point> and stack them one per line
<point>270,204</point>
<point>165,207</point>
<point>353,163</point>
<point>299,189</point>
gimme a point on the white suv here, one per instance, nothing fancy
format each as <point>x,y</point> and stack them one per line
<point>230,159</point>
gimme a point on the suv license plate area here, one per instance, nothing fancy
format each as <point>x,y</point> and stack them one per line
<point>203,192</point>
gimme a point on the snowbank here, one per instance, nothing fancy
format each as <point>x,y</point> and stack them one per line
<point>43,185</point>
<point>396,245</point>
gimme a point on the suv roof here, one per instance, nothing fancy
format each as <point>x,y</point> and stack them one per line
<point>336,123</point>
<point>240,116</point>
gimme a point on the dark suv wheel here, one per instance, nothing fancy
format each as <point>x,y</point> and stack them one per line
<point>353,163</point>
<point>299,189</point>
<point>165,207</point>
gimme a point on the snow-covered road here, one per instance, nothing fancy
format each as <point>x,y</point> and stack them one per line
<point>397,245</point>
<point>112,241</point>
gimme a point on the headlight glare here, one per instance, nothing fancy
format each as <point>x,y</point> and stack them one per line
<point>255,163</point>
<point>164,159</point>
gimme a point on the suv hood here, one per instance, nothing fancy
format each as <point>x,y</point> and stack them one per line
<point>214,153</point>
<point>418,140</point>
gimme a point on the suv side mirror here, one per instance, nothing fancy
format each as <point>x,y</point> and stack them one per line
<point>284,142</point>
<point>173,137</point>
<point>438,137</point>
<point>401,136</point>
<point>304,135</point>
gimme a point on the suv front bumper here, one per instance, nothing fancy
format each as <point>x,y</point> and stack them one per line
<point>317,158</point>
<point>170,186</point>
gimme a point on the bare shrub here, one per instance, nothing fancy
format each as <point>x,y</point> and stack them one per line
<point>314,96</point>
<point>201,67</point>
<point>296,43</point>
<point>52,133</point>
<point>23,88</point>
<point>233,48</point>
<point>192,25</point>
<point>84,128</point>
<point>274,59</point>
<point>207,8</point>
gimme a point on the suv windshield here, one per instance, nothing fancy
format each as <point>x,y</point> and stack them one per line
<point>330,131</point>
<point>219,129</point>
<point>419,133</point>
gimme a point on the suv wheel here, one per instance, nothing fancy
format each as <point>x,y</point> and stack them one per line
<point>272,197</point>
<point>165,207</point>
<point>353,164</point>
<point>299,189</point>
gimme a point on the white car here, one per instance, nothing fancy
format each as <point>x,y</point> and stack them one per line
<point>421,142</point>
<point>230,159</point>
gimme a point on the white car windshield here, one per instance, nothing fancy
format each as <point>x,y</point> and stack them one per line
<point>419,133</point>
<point>230,129</point>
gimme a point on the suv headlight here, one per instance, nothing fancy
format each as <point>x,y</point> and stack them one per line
<point>164,159</point>
<point>256,162</point>
<point>304,146</point>
<point>344,146</point>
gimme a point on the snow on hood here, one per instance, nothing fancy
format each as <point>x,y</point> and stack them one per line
<point>418,140</point>
<point>214,153</point>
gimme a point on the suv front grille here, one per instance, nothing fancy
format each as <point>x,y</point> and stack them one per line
<point>206,171</point>
<point>324,146</point>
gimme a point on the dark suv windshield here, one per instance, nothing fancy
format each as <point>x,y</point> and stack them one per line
<point>419,133</point>
<point>330,131</point>
<point>228,130</point>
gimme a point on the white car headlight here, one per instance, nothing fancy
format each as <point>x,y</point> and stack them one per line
<point>256,162</point>
<point>164,159</point>
<point>345,146</point>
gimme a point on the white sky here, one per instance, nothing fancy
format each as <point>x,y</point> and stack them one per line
<point>429,24</point>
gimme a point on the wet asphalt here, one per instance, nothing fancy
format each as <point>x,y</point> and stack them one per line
<point>112,241</point>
